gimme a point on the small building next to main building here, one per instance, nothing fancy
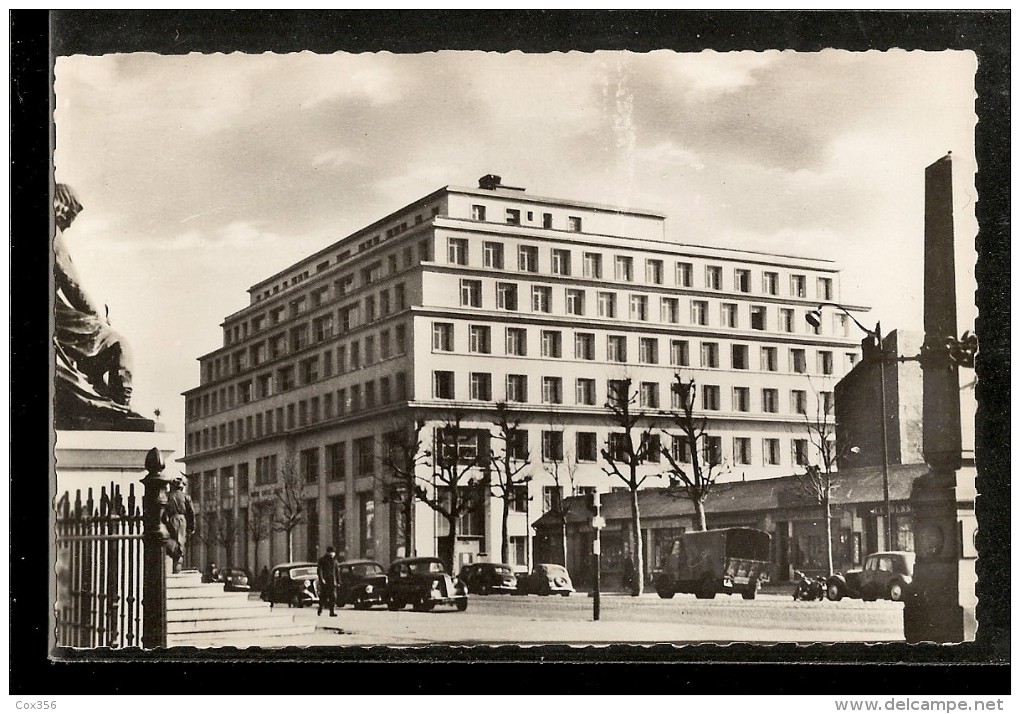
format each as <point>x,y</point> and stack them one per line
<point>469,297</point>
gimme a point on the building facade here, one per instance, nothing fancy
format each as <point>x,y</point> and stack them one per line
<point>470,297</point>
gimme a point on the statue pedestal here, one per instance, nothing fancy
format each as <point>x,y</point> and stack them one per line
<point>92,459</point>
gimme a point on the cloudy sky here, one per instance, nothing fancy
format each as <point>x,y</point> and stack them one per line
<point>203,174</point>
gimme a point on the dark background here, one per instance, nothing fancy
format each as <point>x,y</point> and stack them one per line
<point>975,668</point>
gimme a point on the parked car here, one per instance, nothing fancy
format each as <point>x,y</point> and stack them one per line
<point>423,583</point>
<point>724,560</point>
<point>293,583</point>
<point>886,575</point>
<point>488,578</point>
<point>362,584</point>
<point>234,580</point>
<point>546,579</point>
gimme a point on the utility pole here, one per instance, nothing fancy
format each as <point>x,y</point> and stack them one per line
<point>598,523</point>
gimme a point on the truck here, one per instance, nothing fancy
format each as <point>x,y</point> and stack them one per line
<point>724,560</point>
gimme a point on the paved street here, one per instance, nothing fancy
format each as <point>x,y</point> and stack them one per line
<point>648,619</point>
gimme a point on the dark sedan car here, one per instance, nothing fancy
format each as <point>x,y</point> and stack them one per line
<point>488,578</point>
<point>362,584</point>
<point>234,580</point>
<point>884,575</point>
<point>423,583</point>
<point>293,583</point>
<point>546,579</point>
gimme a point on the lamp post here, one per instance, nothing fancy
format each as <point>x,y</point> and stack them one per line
<point>870,353</point>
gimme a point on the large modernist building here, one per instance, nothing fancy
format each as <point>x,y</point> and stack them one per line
<point>473,296</point>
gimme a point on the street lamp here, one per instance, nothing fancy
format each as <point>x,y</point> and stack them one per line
<point>872,349</point>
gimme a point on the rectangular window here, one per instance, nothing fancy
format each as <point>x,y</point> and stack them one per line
<point>369,350</point>
<point>679,353</point>
<point>653,272</point>
<point>624,269</point>
<point>800,452</point>
<point>713,277</point>
<point>652,445</point>
<point>713,450</point>
<point>477,213</point>
<point>575,301</point>
<point>560,261</point>
<point>617,390</point>
<point>593,266</point>
<point>639,307</point>
<point>425,251</point>
<point>552,390</point>
<point>584,345</point>
<point>552,445</point>
<point>742,280</point>
<point>798,286</point>
<point>699,312</point>
<point>649,395</point>
<point>670,311</point>
<point>471,293</point>
<point>741,450</point>
<point>506,296</point>
<point>770,451</point>
<point>825,362</point>
<point>616,348</point>
<point>518,446</point>
<point>516,388</point>
<point>710,397</point>
<point>798,361</point>
<point>741,399</point>
<point>585,391</point>
<point>541,298</point>
<point>827,402</point>
<point>825,288</point>
<point>769,359</point>
<point>681,450</point>
<point>385,345</point>
<point>364,456</point>
<point>527,258</point>
<point>516,341</point>
<point>513,216</point>
<point>798,401</point>
<point>587,446</point>
<point>709,354</point>
<point>481,386</point>
<point>684,275</point>
<point>492,255</point>
<point>443,385</point>
<point>457,251</point>
<point>400,296</point>
<point>552,343</point>
<point>607,305</point>
<point>648,350</point>
<point>479,339</point>
<point>547,220</point>
<point>728,312</point>
<point>785,319</point>
<point>309,460</point>
<point>519,499</point>
<point>757,317</point>
<point>770,282</point>
<point>739,356</point>
<point>770,400</point>
<point>840,325</point>
<point>442,337</point>
<point>574,224</point>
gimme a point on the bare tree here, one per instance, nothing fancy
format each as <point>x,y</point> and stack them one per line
<point>562,471</point>
<point>289,509</point>
<point>456,489</point>
<point>509,466</point>
<point>626,450</point>
<point>225,535</point>
<point>690,440</point>
<point>258,526</point>
<point>402,456</point>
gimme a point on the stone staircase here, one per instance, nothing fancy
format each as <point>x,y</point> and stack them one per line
<point>202,614</point>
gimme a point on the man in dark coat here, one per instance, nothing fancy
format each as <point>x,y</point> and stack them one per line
<point>180,520</point>
<point>329,576</point>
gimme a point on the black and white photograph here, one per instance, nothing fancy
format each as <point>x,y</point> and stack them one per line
<point>376,349</point>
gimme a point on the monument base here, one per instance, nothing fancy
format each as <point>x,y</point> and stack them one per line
<point>93,459</point>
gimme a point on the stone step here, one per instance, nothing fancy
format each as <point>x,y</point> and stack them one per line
<point>264,637</point>
<point>190,585</point>
<point>261,621</point>
<point>199,603</point>
<point>187,576</point>
<point>213,591</point>
<point>218,612</point>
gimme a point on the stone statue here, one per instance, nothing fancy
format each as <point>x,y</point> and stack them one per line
<point>93,363</point>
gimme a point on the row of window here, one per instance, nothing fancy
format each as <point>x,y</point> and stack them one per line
<point>647,394</point>
<point>561,262</point>
<point>342,402</point>
<point>512,217</point>
<point>648,352</point>
<point>576,301</point>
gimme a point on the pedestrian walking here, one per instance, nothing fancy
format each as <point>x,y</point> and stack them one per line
<point>628,573</point>
<point>329,576</point>
<point>179,518</point>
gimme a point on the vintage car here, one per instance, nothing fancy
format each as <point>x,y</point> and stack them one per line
<point>423,583</point>
<point>546,579</point>
<point>885,575</point>
<point>724,560</point>
<point>293,583</point>
<point>234,580</point>
<point>488,578</point>
<point>362,584</point>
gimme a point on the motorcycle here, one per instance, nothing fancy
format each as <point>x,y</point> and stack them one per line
<point>809,588</point>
